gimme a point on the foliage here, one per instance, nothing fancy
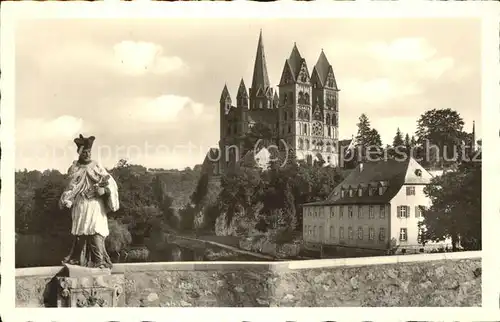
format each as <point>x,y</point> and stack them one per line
<point>119,238</point>
<point>398,139</point>
<point>146,205</point>
<point>456,207</point>
<point>443,129</point>
<point>368,143</point>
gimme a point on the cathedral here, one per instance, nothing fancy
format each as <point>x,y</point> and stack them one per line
<point>303,111</point>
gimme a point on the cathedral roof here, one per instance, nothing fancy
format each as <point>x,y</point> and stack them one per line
<point>295,61</point>
<point>242,90</point>
<point>260,75</point>
<point>225,94</point>
<point>323,68</point>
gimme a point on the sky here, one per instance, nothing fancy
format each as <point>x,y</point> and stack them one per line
<point>149,90</point>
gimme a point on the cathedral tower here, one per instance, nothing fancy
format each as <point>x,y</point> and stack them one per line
<point>295,104</point>
<point>325,117</point>
<point>261,93</point>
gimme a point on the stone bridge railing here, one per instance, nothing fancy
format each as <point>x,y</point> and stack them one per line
<point>445,279</point>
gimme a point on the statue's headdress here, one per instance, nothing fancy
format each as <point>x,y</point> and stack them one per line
<point>83,143</point>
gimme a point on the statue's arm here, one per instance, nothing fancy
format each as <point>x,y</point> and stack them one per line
<point>111,190</point>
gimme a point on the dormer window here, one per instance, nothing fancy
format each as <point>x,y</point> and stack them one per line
<point>370,191</point>
<point>342,193</point>
<point>351,192</point>
<point>360,192</point>
<point>380,190</point>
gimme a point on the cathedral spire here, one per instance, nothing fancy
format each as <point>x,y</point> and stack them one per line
<point>260,77</point>
<point>242,90</point>
<point>225,94</point>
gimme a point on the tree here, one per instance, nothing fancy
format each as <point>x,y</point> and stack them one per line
<point>398,139</point>
<point>442,130</point>
<point>119,238</point>
<point>456,207</point>
<point>368,142</point>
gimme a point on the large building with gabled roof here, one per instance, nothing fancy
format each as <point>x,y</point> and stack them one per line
<point>377,206</point>
<point>303,111</point>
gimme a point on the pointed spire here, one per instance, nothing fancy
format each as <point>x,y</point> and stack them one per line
<point>225,94</point>
<point>260,76</point>
<point>295,59</point>
<point>242,90</point>
<point>322,67</point>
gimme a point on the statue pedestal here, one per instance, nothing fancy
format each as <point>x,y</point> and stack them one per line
<point>90,287</point>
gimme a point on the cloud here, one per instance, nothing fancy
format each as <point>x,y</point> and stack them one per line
<point>378,90</point>
<point>163,109</point>
<point>403,49</point>
<point>61,128</point>
<point>138,58</point>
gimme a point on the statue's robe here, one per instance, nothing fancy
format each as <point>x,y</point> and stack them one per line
<point>89,213</point>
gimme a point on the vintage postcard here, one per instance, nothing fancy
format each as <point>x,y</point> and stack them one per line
<point>249,155</point>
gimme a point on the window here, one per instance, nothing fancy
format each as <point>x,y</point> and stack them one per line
<point>380,191</point>
<point>370,191</point>
<point>305,129</point>
<point>341,212</point>
<point>260,105</point>
<point>329,131</point>
<point>382,211</point>
<point>331,212</point>
<point>371,233</point>
<point>332,232</point>
<point>310,230</point>
<point>381,234</point>
<point>403,211</point>
<point>360,212</point>
<point>349,233</point>
<point>349,211</point>
<point>371,213</point>
<point>418,211</point>
<point>351,192</point>
<point>341,232</point>
<point>410,191</point>
<point>360,192</point>
<point>403,234</point>
<point>360,233</point>
<point>289,129</point>
<point>342,193</point>
<point>284,116</point>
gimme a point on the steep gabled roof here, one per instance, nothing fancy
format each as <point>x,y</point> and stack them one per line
<point>324,68</point>
<point>390,173</point>
<point>295,61</point>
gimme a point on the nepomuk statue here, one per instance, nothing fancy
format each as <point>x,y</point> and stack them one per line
<point>91,193</point>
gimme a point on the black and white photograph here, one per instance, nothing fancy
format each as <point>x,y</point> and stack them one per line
<point>248,162</point>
